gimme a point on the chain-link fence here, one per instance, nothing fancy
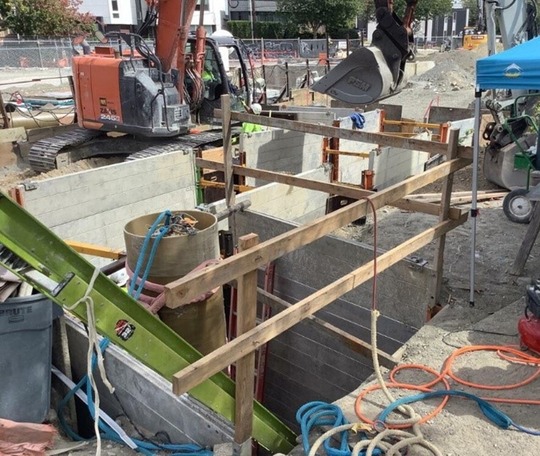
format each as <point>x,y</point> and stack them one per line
<point>57,53</point>
<point>35,53</point>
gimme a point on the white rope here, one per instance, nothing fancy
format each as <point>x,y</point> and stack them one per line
<point>406,438</point>
<point>93,346</point>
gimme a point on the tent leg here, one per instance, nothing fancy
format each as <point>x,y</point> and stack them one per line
<point>474,207</point>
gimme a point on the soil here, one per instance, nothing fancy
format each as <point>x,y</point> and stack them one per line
<point>450,83</point>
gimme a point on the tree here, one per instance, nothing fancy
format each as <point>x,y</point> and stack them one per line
<point>44,17</point>
<point>314,15</point>
<point>426,9</point>
<point>473,11</point>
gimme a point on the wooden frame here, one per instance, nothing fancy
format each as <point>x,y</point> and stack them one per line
<point>241,266</point>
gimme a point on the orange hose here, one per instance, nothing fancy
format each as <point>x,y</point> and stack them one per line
<point>518,357</point>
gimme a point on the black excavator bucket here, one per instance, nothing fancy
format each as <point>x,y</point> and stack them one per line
<point>362,78</point>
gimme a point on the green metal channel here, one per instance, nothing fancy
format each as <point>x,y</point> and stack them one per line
<point>152,342</point>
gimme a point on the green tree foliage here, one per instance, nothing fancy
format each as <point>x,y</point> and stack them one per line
<point>44,17</point>
<point>425,9</point>
<point>473,8</point>
<point>313,15</point>
<point>262,29</point>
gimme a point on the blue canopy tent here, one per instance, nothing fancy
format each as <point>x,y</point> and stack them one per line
<point>517,68</point>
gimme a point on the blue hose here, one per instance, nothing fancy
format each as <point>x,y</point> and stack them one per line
<point>136,293</point>
<point>145,447</point>
<point>319,413</point>
<point>495,415</point>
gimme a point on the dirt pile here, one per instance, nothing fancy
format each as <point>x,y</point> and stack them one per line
<point>453,70</point>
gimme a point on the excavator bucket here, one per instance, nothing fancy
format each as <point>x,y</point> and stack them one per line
<point>362,78</point>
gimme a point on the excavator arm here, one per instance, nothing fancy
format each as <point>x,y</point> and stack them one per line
<point>375,72</point>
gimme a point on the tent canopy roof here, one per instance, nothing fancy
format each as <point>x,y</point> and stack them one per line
<point>515,68</point>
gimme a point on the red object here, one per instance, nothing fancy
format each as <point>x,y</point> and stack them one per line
<point>529,333</point>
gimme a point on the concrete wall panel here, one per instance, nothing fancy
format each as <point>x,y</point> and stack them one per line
<point>350,168</point>
<point>305,363</point>
<point>93,206</point>
<point>281,150</point>
<point>285,201</point>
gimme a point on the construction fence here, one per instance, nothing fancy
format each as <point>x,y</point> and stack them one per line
<point>57,53</point>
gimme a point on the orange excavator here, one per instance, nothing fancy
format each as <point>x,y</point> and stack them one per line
<point>129,87</point>
<point>375,72</point>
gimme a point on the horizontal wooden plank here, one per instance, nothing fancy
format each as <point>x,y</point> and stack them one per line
<point>219,359</point>
<point>354,343</point>
<point>332,189</point>
<point>185,289</point>
<point>96,250</point>
<point>381,139</point>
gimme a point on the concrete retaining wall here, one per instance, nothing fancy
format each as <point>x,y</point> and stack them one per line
<point>93,206</point>
<point>392,165</point>
<point>285,201</point>
<point>307,364</point>
<point>295,152</point>
<point>146,397</point>
<point>281,150</point>
<point>350,168</point>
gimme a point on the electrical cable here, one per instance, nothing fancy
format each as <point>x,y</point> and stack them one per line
<point>146,447</point>
<point>151,234</point>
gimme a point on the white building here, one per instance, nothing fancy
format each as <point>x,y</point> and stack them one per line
<point>128,14</point>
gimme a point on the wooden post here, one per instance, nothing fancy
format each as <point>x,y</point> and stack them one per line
<point>528,242</point>
<point>446,196</point>
<point>245,367</point>
<point>228,161</point>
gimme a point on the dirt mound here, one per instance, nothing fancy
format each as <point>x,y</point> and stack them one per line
<point>453,70</point>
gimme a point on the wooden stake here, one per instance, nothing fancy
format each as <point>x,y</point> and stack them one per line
<point>446,196</point>
<point>245,367</point>
<point>528,242</point>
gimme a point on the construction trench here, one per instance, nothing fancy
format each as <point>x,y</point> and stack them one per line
<point>300,181</point>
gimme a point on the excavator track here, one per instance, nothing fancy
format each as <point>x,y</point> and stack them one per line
<point>46,154</point>
<point>192,141</point>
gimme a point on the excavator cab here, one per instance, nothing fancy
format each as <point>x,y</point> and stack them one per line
<point>375,72</point>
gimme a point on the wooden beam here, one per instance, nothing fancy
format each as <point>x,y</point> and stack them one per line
<point>96,250</point>
<point>527,243</point>
<point>194,374</point>
<point>354,343</point>
<point>185,289</point>
<point>205,183</point>
<point>381,139</point>
<point>245,366</point>
<point>446,195</point>
<point>346,153</point>
<point>332,189</point>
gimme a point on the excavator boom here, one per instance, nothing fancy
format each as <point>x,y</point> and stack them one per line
<point>375,72</point>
